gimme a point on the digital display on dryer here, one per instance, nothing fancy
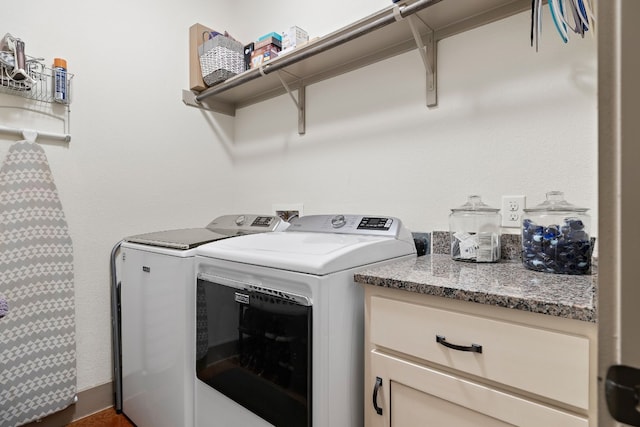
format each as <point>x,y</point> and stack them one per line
<point>368,223</point>
<point>262,221</point>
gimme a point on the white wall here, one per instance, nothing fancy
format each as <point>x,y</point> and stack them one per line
<point>139,160</point>
<point>509,121</point>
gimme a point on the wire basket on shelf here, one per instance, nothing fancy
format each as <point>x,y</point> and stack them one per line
<point>37,84</point>
<point>220,58</point>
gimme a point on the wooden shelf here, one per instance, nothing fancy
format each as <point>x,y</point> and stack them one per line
<point>379,36</point>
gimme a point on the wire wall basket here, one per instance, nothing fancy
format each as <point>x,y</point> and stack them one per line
<point>37,84</point>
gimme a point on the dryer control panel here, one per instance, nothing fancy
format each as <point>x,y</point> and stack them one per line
<point>348,224</point>
<point>371,223</point>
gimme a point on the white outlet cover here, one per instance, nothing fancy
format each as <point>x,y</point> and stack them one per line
<point>513,218</point>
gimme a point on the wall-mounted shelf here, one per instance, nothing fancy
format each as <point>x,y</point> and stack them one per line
<point>397,29</point>
<point>38,94</point>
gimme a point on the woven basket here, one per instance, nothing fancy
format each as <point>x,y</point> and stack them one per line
<point>220,58</point>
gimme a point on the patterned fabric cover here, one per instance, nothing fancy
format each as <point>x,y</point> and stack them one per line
<point>37,335</point>
<point>4,307</point>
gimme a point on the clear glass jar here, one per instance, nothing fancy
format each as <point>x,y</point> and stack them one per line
<point>475,232</point>
<point>555,237</point>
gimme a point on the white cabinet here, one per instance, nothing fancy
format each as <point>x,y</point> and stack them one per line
<point>490,367</point>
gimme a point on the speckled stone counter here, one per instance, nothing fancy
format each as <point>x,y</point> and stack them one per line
<point>503,284</point>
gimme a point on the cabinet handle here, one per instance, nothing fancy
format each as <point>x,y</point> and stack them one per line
<point>476,348</point>
<point>375,396</point>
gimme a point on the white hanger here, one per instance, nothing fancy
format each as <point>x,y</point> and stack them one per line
<point>30,135</point>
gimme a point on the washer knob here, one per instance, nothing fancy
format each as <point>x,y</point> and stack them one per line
<point>240,220</point>
<point>338,221</point>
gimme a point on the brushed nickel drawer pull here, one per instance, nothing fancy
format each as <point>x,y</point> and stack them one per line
<point>475,348</point>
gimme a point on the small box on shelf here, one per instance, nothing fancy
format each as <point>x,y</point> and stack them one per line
<point>293,37</point>
<point>276,43</point>
<point>262,55</point>
<point>270,35</point>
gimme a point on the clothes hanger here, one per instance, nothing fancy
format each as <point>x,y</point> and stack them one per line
<point>580,12</point>
<point>29,135</point>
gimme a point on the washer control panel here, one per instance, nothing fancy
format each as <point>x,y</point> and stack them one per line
<point>248,223</point>
<point>263,221</point>
<point>347,224</point>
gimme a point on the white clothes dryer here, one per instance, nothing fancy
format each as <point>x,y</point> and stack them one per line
<point>284,322</point>
<point>157,317</point>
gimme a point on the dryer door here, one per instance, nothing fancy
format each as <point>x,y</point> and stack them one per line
<point>254,346</point>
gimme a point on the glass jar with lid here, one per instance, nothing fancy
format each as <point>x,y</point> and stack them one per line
<point>555,237</point>
<point>475,232</point>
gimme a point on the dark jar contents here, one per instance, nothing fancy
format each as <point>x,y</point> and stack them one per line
<point>555,237</point>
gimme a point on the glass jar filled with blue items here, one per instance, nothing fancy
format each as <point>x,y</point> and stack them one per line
<point>475,232</point>
<point>555,237</point>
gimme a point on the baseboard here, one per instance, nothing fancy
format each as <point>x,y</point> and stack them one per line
<point>89,402</point>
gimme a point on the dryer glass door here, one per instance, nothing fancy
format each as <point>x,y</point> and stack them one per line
<point>255,348</point>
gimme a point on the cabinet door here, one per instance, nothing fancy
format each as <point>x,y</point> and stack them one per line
<point>416,395</point>
<point>411,408</point>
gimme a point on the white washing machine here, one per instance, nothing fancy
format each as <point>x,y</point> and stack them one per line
<point>157,317</point>
<point>284,322</point>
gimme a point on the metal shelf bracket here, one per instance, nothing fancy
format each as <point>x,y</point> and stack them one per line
<point>428,53</point>
<point>300,103</point>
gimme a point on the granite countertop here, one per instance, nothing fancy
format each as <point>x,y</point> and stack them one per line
<point>503,284</point>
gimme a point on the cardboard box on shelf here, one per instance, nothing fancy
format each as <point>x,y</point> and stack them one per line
<point>268,41</point>
<point>273,34</point>
<point>248,50</point>
<point>198,34</point>
<point>262,55</point>
<point>293,37</point>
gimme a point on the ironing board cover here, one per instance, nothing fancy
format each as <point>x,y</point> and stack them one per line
<point>37,334</point>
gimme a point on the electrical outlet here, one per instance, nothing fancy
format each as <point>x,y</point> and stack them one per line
<point>512,210</point>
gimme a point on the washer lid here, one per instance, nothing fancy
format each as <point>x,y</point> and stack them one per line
<point>220,228</point>
<point>308,252</point>
<point>185,238</point>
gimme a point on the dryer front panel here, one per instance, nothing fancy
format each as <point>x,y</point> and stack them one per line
<point>253,345</point>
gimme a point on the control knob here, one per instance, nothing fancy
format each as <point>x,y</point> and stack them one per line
<point>338,221</point>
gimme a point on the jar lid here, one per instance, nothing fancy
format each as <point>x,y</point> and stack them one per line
<point>555,202</point>
<point>475,204</point>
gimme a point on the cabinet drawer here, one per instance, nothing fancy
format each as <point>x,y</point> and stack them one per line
<point>412,395</point>
<point>547,363</point>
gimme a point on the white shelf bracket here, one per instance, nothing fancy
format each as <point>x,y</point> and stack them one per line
<point>299,103</point>
<point>427,50</point>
